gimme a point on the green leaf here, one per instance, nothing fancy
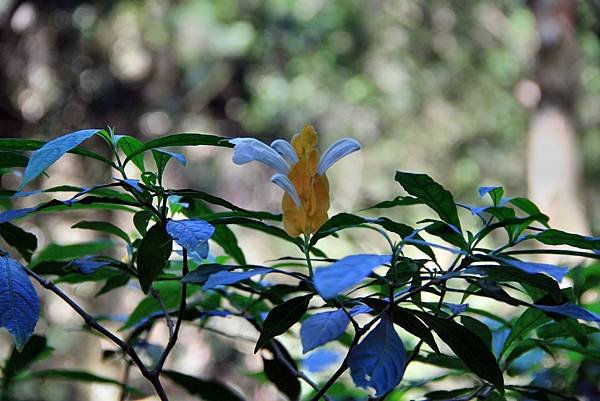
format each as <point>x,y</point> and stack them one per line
<point>256,225</point>
<point>414,326</point>
<point>129,145</point>
<point>170,294</point>
<point>202,272</point>
<point>35,349</point>
<point>79,376</point>
<point>153,254</point>
<point>431,193</point>
<point>281,318</point>
<point>530,208</point>
<point>19,303</point>
<point>181,140</point>
<point>495,193</point>
<point>73,251</point>
<point>208,390</point>
<point>528,321</point>
<point>479,328</point>
<point>279,372</point>
<point>467,346</point>
<point>104,227</point>
<point>12,159</point>
<point>49,153</point>
<point>557,237</point>
<point>397,201</point>
<point>141,220</point>
<point>21,240</point>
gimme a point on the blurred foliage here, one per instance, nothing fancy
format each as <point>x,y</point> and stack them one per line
<point>436,86</point>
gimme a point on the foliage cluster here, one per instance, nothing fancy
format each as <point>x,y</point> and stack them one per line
<point>386,310</point>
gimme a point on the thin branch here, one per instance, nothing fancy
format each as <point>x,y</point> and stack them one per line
<point>156,295</point>
<point>299,374</point>
<point>93,323</point>
<point>182,306</point>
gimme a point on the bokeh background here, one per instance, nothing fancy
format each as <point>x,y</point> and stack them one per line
<point>473,93</point>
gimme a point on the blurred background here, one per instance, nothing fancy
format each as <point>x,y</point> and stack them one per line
<point>473,93</point>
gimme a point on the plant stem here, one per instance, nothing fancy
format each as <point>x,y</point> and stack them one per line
<point>93,323</point>
<point>182,305</point>
<point>307,255</point>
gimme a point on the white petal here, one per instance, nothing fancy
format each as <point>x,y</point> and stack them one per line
<point>286,150</point>
<point>250,149</point>
<point>335,152</point>
<point>283,182</point>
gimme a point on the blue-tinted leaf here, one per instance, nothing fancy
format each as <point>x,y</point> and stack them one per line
<point>19,304</point>
<point>45,156</point>
<point>432,194</point>
<point>228,278</point>
<point>346,272</point>
<point>360,309</point>
<point>321,328</point>
<point>457,309</point>
<point>191,234</point>
<point>379,361</point>
<point>130,183</point>
<point>87,265</point>
<point>178,156</point>
<point>570,310</point>
<point>556,272</point>
<point>15,214</point>
<point>320,360</point>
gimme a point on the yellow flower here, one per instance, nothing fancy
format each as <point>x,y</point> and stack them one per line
<point>300,173</point>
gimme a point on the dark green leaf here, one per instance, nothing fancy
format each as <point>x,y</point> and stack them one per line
<point>431,193</point>
<point>414,326</point>
<point>479,328</point>
<point>181,140</point>
<point>140,221</point>
<point>153,254</point>
<point>208,390</point>
<point>36,348</point>
<point>495,193</point>
<point>8,144</point>
<point>104,227</point>
<point>79,376</point>
<point>557,237</point>
<point>529,320</point>
<point>467,346</point>
<point>397,201</point>
<point>55,252</point>
<point>202,272</point>
<point>12,159</point>
<point>279,372</point>
<point>21,240</point>
<point>281,318</point>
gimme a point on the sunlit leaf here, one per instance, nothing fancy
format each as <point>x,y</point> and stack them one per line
<point>228,278</point>
<point>191,234</point>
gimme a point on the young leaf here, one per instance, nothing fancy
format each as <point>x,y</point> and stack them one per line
<point>228,278</point>
<point>21,240</point>
<point>45,156</point>
<point>129,145</point>
<point>281,318</point>
<point>495,193</point>
<point>346,272</point>
<point>209,390</point>
<point>321,328</point>
<point>379,361</point>
<point>19,302</point>
<point>467,346</point>
<point>153,254</point>
<point>191,234</point>
<point>432,194</point>
<point>162,157</point>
